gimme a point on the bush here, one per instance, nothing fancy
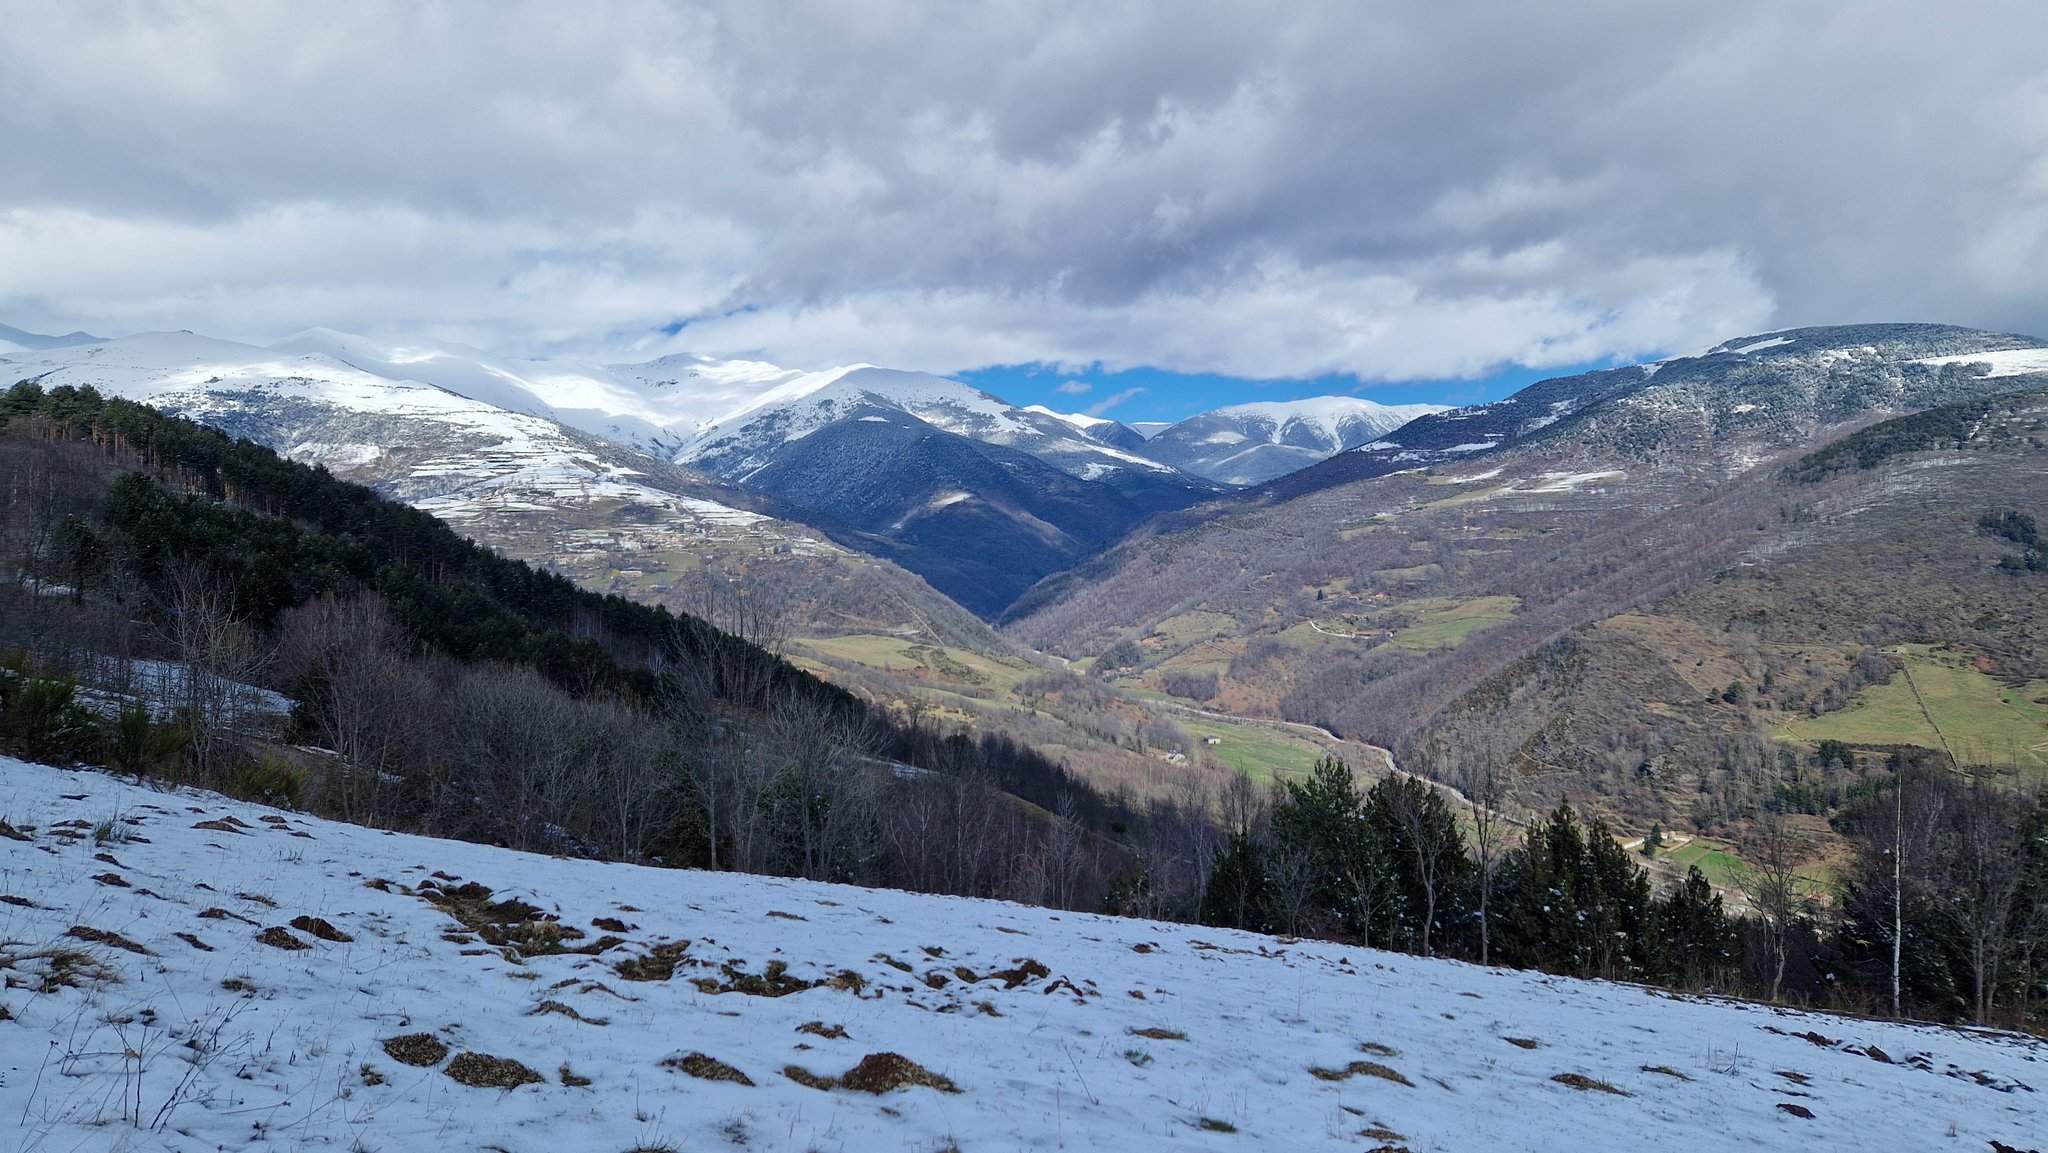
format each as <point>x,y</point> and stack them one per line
<point>1193,686</point>
<point>1123,654</point>
<point>137,744</point>
<point>41,719</point>
<point>268,778</point>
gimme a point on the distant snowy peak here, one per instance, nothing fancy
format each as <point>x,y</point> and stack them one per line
<point>745,439</point>
<point>1256,442</point>
<point>391,417</point>
<point>1334,418</point>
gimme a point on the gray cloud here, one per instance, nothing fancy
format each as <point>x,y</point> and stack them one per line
<point>1388,189</point>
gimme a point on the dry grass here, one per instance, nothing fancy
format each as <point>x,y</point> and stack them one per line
<point>1155,1033</point>
<point>1377,1049</point>
<point>193,940</point>
<point>659,964</point>
<point>420,1050</point>
<point>49,969</point>
<point>115,880</point>
<point>772,981</point>
<point>103,937</point>
<point>525,930</point>
<point>483,1071</point>
<point>12,833</point>
<point>1523,1042</point>
<point>369,1074</point>
<point>569,1011</point>
<point>877,1073</point>
<point>1665,1071</point>
<point>707,1068</point>
<point>279,937</point>
<point>1360,1069</point>
<point>1023,972</point>
<point>821,1029</point>
<point>570,1079</point>
<point>1587,1084</point>
<point>1212,1125</point>
<point>321,928</point>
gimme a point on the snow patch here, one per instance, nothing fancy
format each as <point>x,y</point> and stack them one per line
<point>2004,362</point>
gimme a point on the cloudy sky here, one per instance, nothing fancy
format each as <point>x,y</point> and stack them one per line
<point>1182,199</point>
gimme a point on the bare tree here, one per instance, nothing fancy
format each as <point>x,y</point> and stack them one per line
<point>1484,781</point>
<point>345,658</point>
<point>1983,872</point>
<point>1773,889</point>
<point>219,654</point>
<point>1432,839</point>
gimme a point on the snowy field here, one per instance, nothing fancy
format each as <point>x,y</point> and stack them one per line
<point>160,996</point>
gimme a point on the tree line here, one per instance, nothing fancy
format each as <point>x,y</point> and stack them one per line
<point>1941,910</point>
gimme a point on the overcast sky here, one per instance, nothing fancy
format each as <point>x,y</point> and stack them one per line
<point>1386,191</point>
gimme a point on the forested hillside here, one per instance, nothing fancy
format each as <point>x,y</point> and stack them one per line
<point>164,582</point>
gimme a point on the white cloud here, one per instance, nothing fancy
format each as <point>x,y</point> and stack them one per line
<point>1075,388</point>
<point>1114,399</point>
<point>1385,189</point>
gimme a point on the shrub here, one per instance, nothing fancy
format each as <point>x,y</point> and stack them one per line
<point>268,778</point>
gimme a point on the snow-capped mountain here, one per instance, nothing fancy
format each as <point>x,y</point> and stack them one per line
<point>1250,443</point>
<point>746,438</point>
<point>452,453</point>
<point>1720,411</point>
<point>507,472</point>
<point>978,496</point>
<point>17,340</point>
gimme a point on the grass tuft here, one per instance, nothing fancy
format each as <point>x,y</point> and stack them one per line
<point>876,1073</point>
<point>483,1071</point>
<point>1587,1084</point>
<point>1360,1069</point>
<point>420,1050</point>
<point>321,928</point>
<point>707,1068</point>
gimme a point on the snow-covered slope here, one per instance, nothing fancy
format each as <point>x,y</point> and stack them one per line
<point>152,1007</point>
<point>748,437</point>
<point>1719,412</point>
<point>455,455</point>
<point>1250,443</point>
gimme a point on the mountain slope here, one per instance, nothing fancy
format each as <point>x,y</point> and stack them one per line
<point>1587,593</point>
<point>979,497</point>
<point>1776,387</point>
<point>612,518</point>
<point>22,340</point>
<point>980,522</point>
<point>1252,443</point>
<point>745,439</point>
<point>173,1022</point>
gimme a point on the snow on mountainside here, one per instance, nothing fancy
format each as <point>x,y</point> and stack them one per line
<point>217,975</point>
<point>1250,443</point>
<point>1723,410</point>
<point>742,441</point>
<point>517,480</point>
<point>446,452</point>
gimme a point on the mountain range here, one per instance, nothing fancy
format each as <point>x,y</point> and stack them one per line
<point>625,475</point>
<point>1661,588</point>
